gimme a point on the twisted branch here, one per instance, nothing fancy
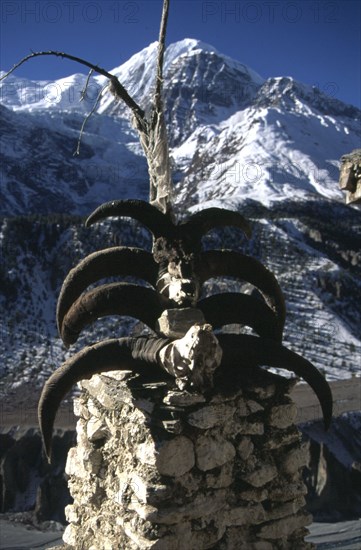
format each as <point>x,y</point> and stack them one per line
<point>152,131</point>
<point>116,87</point>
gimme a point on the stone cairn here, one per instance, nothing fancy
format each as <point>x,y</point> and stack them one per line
<point>179,460</point>
<point>165,469</point>
<point>185,441</point>
<point>195,447</point>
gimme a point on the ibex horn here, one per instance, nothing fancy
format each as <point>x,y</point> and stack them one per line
<point>228,263</point>
<point>142,303</point>
<point>116,261</point>
<point>203,221</point>
<point>231,307</point>
<point>244,349</point>
<point>158,223</point>
<point>136,354</point>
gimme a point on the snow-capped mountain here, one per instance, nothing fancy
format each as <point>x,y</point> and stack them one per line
<point>270,148</point>
<point>234,136</point>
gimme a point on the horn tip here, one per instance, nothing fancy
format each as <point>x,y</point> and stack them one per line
<point>47,452</point>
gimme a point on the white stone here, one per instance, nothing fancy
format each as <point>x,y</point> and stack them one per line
<point>243,515</point>
<point>93,409</point>
<point>285,491</point>
<point>80,409</point>
<point>142,491</point>
<point>74,464</point>
<point>81,434</point>
<point>174,323</point>
<point>183,399</point>
<point>147,492</point>
<point>100,391</point>
<point>202,505</point>
<point>282,439</point>
<point>286,509</point>
<point>176,456</point>
<point>145,453</point>
<point>69,535</point>
<point>92,460</point>
<point>140,541</point>
<point>242,407</point>
<point>254,407</point>
<point>283,416</point>
<point>295,459</point>
<point>212,531</point>
<point>96,429</point>
<point>249,428</point>
<point>285,526</point>
<point>120,490</point>
<point>245,448</point>
<point>223,479</point>
<point>190,482</point>
<point>71,514</point>
<point>213,451</point>
<point>254,494</point>
<point>262,475</point>
<point>210,416</point>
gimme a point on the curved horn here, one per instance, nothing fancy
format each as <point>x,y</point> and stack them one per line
<point>233,307</point>
<point>228,263</point>
<point>205,220</point>
<point>244,349</point>
<point>157,222</point>
<point>136,354</point>
<point>110,262</point>
<point>113,299</point>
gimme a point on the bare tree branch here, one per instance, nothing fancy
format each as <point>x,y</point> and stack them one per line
<point>160,59</point>
<point>152,130</point>
<point>83,92</point>
<point>77,152</point>
<point>116,88</point>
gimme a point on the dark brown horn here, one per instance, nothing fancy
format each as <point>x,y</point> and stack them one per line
<point>116,261</point>
<point>136,301</point>
<point>245,350</point>
<point>232,307</point>
<point>136,354</point>
<point>158,223</point>
<point>228,263</point>
<point>205,220</point>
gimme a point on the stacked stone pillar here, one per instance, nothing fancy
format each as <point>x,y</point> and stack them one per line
<point>158,468</point>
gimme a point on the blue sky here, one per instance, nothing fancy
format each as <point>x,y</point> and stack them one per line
<point>315,41</point>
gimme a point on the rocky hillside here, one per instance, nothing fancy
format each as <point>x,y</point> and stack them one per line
<point>333,476</point>
<point>270,149</point>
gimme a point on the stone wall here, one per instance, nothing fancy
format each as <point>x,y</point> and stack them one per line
<point>350,176</point>
<point>163,469</point>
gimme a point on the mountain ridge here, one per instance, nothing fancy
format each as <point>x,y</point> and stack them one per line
<point>270,149</point>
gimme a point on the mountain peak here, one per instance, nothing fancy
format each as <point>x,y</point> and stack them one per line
<point>188,45</point>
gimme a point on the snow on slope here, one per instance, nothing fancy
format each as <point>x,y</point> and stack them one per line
<point>234,135</point>
<point>268,154</point>
<point>269,148</point>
